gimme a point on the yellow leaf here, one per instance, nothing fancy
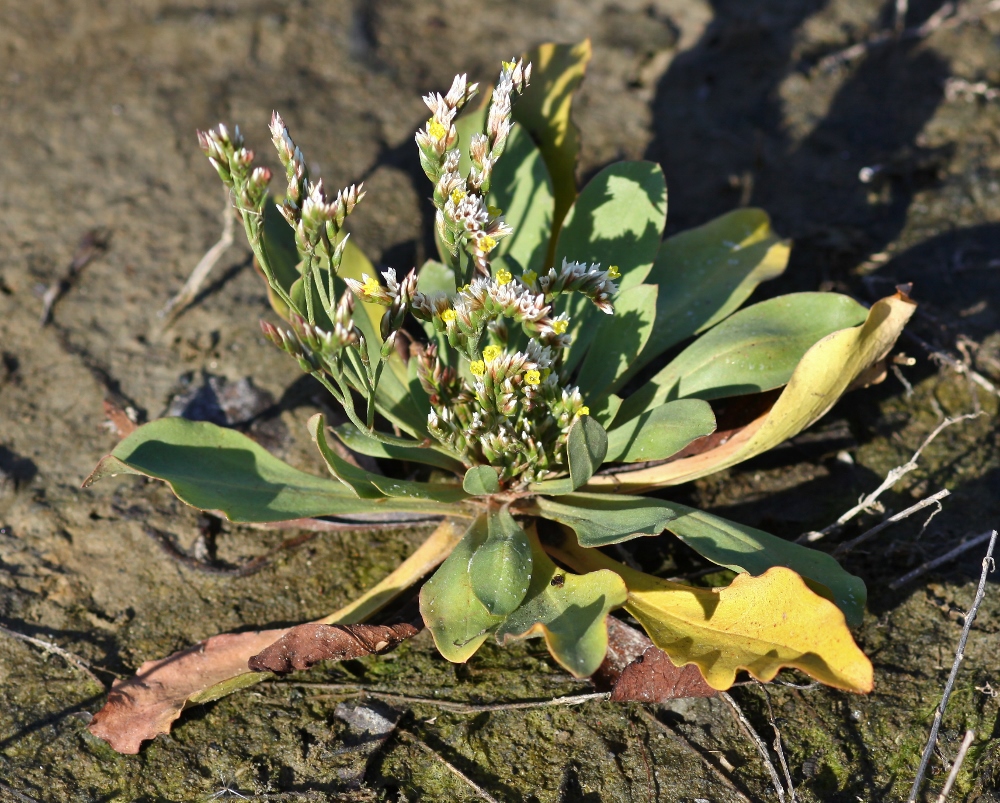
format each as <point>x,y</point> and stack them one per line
<point>759,624</point>
<point>556,72</point>
<point>825,372</point>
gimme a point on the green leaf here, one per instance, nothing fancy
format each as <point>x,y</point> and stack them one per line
<point>457,620</point>
<point>500,569</point>
<point>213,468</point>
<point>754,350</point>
<point>570,611</point>
<point>545,111</point>
<point>605,409</point>
<point>481,480</point>
<point>586,446</point>
<point>617,220</point>
<point>522,188</point>
<point>435,277</point>
<point>354,478</point>
<point>278,242</point>
<point>707,272</point>
<point>356,440</point>
<point>365,482</point>
<point>660,432</point>
<point>602,519</point>
<point>617,341</point>
<point>746,549</point>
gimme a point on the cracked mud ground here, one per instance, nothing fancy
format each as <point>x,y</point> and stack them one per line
<point>99,103</point>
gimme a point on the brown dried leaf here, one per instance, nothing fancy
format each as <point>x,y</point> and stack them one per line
<point>653,678</point>
<point>635,669</point>
<point>145,705</point>
<point>625,644</point>
<point>122,425</point>
<point>306,645</point>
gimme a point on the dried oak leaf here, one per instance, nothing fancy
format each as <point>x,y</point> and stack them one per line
<point>145,705</point>
<point>306,645</point>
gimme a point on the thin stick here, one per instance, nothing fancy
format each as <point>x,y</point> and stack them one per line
<point>92,244</point>
<point>777,742</point>
<point>929,565</point>
<point>955,767</point>
<point>451,767</point>
<point>450,705</point>
<point>183,299</point>
<point>899,23</point>
<point>683,740</point>
<point>894,476</point>
<point>47,646</point>
<point>847,546</point>
<point>943,357</point>
<point>988,566</point>
<point>752,735</point>
<point>946,17</point>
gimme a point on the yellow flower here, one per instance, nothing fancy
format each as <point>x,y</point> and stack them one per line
<point>559,327</point>
<point>614,273</point>
<point>532,377</point>
<point>371,285</point>
<point>448,315</point>
<point>585,410</point>
<point>504,276</point>
<point>457,195</point>
<point>477,367</point>
<point>529,277</point>
<point>490,353</point>
<point>487,244</point>
<point>436,129</point>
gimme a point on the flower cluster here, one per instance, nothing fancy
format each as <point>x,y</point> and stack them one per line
<point>499,393</point>
<point>463,220</point>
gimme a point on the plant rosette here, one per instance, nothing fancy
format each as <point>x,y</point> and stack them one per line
<point>526,370</point>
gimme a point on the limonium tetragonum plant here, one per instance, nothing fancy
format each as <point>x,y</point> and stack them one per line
<point>525,370</point>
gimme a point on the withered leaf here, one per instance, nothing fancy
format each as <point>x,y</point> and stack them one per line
<point>635,669</point>
<point>145,705</point>
<point>306,645</point>
<point>625,644</point>
<point>653,678</point>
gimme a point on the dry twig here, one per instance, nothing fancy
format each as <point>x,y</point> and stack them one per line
<point>681,739</point>
<point>957,765</point>
<point>988,566</point>
<point>950,15</point>
<point>778,748</point>
<point>451,767</point>
<point>183,299</point>
<point>935,499</point>
<point>48,646</point>
<point>894,476</point>
<point>754,737</point>
<point>927,566</point>
<point>348,689</point>
<point>942,357</point>
<point>92,244</point>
